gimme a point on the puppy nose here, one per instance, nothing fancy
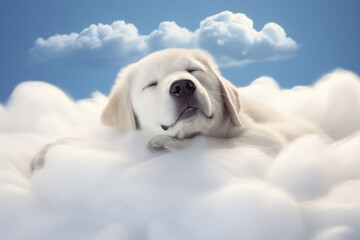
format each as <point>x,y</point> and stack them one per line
<point>182,88</point>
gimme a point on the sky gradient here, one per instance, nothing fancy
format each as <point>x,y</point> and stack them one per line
<point>308,39</point>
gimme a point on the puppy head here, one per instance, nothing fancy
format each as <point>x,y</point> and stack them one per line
<point>176,92</point>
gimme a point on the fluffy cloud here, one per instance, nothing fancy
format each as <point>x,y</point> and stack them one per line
<point>169,34</point>
<point>109,186</point>
<point>233,39</point>
<point>114,44</point>
<point>230,37</point>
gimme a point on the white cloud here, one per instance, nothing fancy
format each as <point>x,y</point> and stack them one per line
<point>230,37</point>
<point>233,39</point>
<point>109,186</point>
<point>113,44</point>
<point>169,34</point>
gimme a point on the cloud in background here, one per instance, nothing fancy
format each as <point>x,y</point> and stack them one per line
<point>230,37</point>
<point>110,186</point>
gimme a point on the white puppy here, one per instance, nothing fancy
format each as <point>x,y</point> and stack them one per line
<point>178,94</point>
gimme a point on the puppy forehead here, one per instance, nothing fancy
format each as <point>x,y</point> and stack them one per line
<point>171,58</point>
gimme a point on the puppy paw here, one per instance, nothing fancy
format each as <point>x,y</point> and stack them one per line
<point>163,143</point>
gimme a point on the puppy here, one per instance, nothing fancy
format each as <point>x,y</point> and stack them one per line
<point>178,94</point>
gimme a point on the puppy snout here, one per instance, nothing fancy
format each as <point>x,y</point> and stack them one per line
<point>181,88</point>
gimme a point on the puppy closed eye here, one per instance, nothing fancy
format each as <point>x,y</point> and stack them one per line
<point>192,70</point>
<point>152,84</point>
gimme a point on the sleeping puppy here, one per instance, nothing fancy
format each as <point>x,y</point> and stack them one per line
<point>178,94</point>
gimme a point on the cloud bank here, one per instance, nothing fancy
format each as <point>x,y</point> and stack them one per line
<point>109,186</point>
<point>230,37</point>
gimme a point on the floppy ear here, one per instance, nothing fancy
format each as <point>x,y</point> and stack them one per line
<point>231,99</point>
<point>118,111</point>
<point>229,92</point>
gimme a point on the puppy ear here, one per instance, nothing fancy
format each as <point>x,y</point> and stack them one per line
<point>118,111</point>
<point>229,92</point>
<point>231,99</point>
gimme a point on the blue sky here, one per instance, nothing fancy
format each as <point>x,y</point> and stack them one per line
<point>307,39</point>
